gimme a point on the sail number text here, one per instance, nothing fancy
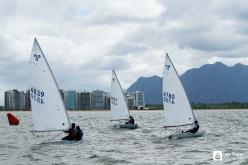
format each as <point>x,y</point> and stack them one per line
<point>113,100</point>
<point>37,95</point>
<point>37,56</point>
<point>169,97</point>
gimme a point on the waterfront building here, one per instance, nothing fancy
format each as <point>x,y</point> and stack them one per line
<point>14,100</point>
<point>70,99</point>
<point>130,102</point>
<point>27,100</point>
<point>107,101</point>
<point>85,100</point>
<point>135,100</point>
<point>7,100</point>
<point>78,101</point>
<point>139,99</point>
<point>98,100</point>
<point>22,100</point>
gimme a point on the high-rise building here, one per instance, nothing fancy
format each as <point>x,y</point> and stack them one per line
<point>7,100</point>
<point>78,102</point>
<point>14,100</point>
<point>85,98</point>
<point>70,99</point>
<point>22,100</point>
<point>130,102</point>
<point>27,100</point>
<point>107,101</point>
<point>98,100</point>
<point>139,99</point>
<point>135,100</point>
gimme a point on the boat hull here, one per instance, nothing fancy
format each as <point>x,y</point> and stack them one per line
<point>127,126</point>
<point>187,135</point>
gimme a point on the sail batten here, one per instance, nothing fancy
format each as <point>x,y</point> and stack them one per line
<point>177,110</point>
<point>48,110</point>
<point>118,105</point>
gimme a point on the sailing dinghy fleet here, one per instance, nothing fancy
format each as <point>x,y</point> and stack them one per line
<point>49,112</point>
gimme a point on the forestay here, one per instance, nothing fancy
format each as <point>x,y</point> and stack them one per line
<point>119,109</point>
<point>177,110</point>
<point>48,111</point>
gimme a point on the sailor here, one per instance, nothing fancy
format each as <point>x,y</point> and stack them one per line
<point>194,129</point>
<point>79,134</point>
<point>130,121</point>
<point>72,133</point>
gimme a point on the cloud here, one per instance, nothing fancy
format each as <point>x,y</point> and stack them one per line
<point>126,48</point>
<point>84,40</point>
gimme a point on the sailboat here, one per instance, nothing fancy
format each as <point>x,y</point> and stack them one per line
<point>118,105</point>
<point>48,110</point>
<point>177,109</point>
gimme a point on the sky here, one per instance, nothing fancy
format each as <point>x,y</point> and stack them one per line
<point>83,40</point>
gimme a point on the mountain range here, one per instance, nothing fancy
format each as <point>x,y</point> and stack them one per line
<point>211,83</point>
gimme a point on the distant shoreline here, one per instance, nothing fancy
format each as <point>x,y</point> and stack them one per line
<point>195,106</point>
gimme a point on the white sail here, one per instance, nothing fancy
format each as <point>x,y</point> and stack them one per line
<point>177,110</point>
<point>48,111</point>
<point>119,109</point>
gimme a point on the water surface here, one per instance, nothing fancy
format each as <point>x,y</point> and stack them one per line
<point>227,131</point>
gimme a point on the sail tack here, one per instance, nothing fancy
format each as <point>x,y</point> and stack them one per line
<point>119,109</point>
<point>48,111</point>
<point>177,110</point>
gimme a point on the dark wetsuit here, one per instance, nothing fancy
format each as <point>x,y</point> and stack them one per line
<point>71,135</point>
<point>194,130</point>
<point>130,121</point>
<point>79,135</point>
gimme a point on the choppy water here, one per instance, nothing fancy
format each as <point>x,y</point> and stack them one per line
<point>227,131</point>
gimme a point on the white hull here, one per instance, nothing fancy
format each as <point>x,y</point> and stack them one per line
<point>187,135</point>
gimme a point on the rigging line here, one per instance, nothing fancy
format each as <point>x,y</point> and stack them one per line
<point>52,138</point>
<point>33,133</point>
